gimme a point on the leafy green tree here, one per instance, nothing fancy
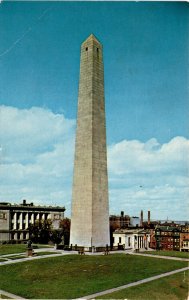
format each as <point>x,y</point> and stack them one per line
<point>56,236</point>
<point>39,232</point>
<point>65,230</point>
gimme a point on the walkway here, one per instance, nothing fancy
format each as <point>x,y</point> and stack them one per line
<point>62,253</point>
<point>29,258</point>
<point>93,296</point>
<point>9,295</point>
<point>161,256</point>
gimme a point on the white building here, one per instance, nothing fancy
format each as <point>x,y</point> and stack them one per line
<point>131,239</point>
<point>185,245</point>
<point>15,219</point>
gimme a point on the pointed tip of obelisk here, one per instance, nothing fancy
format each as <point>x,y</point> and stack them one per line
<point>92,37</point>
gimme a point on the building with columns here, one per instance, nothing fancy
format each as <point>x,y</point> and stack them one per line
<point>16,218</point>
<point>131,239</point>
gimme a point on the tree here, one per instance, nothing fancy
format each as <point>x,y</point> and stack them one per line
<point>39,232</point>
<point>65,230</point>
<point>113,227</point>
<point>56,236</point>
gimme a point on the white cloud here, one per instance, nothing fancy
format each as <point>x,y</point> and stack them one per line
<point>130,156</point>
<point>37,151</point>
<point>28,132</point>
<point>36,156</point>
<point>150,176</point>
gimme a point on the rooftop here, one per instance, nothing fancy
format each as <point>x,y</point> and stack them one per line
<point>24,204</point>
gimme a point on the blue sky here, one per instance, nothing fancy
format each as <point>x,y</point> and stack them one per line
<point>146,92</point>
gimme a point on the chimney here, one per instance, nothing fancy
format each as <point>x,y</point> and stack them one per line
<point>141,218</point>
<point>122,213</point>
<point>149,217</point>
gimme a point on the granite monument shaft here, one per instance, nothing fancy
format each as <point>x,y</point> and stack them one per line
<point>90,206</point>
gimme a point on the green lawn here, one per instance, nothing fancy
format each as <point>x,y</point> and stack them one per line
<point>169,253</point>
<point>17,248</point>
<point>16,257</point>
<point>174,287</point>
<point>44,253</point>
<point>9,249</point>
<point>73,276</point>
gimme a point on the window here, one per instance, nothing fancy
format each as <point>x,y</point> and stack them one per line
<point>129,241</point>
<point>97,53</point>
<point>56,217</point>
<point>3,216</point>
<point>86,48</point>
<point>119,239</point>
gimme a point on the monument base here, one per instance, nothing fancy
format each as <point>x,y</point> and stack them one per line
<point>92,249</point>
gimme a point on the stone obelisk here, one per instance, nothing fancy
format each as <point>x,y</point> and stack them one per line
<point>90,207</point>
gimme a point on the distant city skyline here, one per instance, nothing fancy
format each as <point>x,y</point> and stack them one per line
<point>146,97</point>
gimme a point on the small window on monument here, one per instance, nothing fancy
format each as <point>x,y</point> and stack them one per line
<point>97,52</point>
<point>86,48</point>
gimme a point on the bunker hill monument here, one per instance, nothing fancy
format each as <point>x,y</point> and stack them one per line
<point>90,207</point>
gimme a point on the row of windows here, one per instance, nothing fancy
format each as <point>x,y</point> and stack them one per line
<point>167,233</point>
<point>170,240</point>
<point>97,49</point>
<point>19,236</point>
<point>129,241</point>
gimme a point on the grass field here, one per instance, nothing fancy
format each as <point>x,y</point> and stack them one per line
<point>73,276</point>
<point>11,249</point>
<point>174,287</point>
<point>45,253</point>
<point>169,253</point>
<point>16,257</point>
<point>17,248</point>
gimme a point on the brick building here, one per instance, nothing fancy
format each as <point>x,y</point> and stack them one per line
<point>184,238</point>
<point>119,221</point>
<point>165,238</point>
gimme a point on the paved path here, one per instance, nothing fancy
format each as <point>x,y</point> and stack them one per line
<point>14,261</point>
<point>93,296</point>
<point>62,253</point>
<point>161,256</point>
<point>12,296</point>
